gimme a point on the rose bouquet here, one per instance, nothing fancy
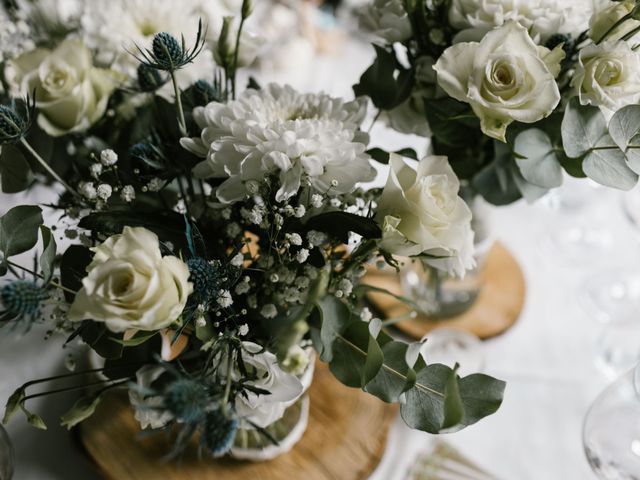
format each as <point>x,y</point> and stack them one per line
<point>514,92</point>
<point>208,238</point>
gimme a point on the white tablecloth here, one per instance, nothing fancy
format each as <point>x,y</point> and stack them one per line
<point>546,358</point>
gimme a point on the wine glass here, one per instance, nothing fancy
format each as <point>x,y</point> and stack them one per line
<point>611,432</point>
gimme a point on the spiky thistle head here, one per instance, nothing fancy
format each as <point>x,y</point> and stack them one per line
<point>149,154</point>
<point>22,299</point>
<point>169,55</point>
<point>218,433</point>
<point>187,400</point>
<point>206,279</point>
<point>13,124</point>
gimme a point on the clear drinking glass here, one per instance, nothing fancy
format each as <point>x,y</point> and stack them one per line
<point>611,433</point>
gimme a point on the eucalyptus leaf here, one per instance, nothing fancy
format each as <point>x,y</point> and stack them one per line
<point>433,404</point>
<point>15,173</point>
<point>395,377</point>
<point>19,229</point>
<point>539,165</point>
<point>48,256</point>
<point>583,127</point>
<point>624,129</point>
<point>453,407</point>
<point>608,166</point>
<point>357,357</point>
<point>334,317</point>
<point>81,410</point>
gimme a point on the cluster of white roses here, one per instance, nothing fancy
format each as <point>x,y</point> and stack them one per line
<point>499,65</point>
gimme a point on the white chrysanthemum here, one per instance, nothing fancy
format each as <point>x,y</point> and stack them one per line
<point>542,18</point>
<point>301,137</point>
<point>111,27</point>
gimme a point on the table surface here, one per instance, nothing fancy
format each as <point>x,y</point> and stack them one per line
<point>546,358</point>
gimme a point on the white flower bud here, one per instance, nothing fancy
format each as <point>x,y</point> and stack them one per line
<point>238,260</point>
<point>269,310</point>
<point>300,211</point>
<point>88,190</point>
<point>128,194</point>
<point>108,158</point>
<point>302,255</point>
<point>316,200</point>
<point>95,170</point>
<point>225,300</point>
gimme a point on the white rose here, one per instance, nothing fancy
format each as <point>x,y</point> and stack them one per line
<point>386,19</point>
<point>608,76</point>
<point>421,214</point>
<point>284,388</point>
<point>542,18</point>
<point>506,77</point>
<point>605,18</point>
<point>130,285</point>
<point>71,94</point>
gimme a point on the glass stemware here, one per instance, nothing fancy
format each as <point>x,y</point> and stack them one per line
<point>611,433</point>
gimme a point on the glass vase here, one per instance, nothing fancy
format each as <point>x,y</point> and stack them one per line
<point>439,295</point>
<point>611,433</point>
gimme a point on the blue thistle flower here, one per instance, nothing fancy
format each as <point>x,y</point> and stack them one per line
<point>218,433</point>
<point>14,126</point>
<point>21,299</point>
<point>205,278</point>
<point>166,50</point>
<point>168,54</point>
<point>187,399</point>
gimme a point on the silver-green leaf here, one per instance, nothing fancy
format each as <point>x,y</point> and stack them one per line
<point>540,165</point>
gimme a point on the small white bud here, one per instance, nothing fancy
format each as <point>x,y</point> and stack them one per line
<point>128,194</point>
<point>95,170</point>
<point>237,260</point>
<point>108,157</point>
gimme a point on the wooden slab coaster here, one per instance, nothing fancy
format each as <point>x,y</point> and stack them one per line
<point>495,310</point>
<point>345,439</point>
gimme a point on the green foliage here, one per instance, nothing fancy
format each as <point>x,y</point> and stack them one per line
<point>15,173</point>
<point>167,225</point>
<point>624,129</point>
<point>434,397</point>
<point>452,122</point>
<point>73,266</point>
<point>18,231</point>
<point>338,224</point>
<point>585,134</point>
<point>385,81</point>
<point>382,156</point>
<point>81,410</point>
<point>537,160</point>
<point>105,343</point>
<point>48,256</point>
<point>13,404</point>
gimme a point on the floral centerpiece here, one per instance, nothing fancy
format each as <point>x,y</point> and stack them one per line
<point>208,238</point>
<point>517,94</point>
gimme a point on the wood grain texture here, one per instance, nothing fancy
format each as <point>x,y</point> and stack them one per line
<point>496,309</point>
<point>345,440</point>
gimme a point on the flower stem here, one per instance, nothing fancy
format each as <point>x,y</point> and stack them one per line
<point>44,165</point>
<point>235,58</point>
<point>51,282</point>
<point>75,387</point>
<point>622,20</point>
<point>182,124</point>
<point>227,387</point>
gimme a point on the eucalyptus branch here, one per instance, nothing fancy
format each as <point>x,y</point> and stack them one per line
<point>73,388</point>
<point>419,386</point>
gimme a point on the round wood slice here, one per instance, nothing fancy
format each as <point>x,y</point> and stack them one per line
<point>497,307</point>
<point>345,439</point>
